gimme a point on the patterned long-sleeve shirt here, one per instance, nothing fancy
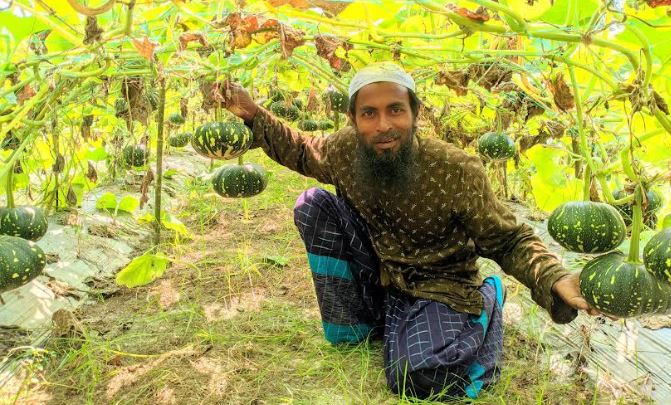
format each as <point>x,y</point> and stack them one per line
<point>428,236</point>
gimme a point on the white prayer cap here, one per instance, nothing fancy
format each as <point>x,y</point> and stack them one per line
<point>380,72</point>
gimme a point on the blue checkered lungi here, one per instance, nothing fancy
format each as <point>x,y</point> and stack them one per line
<point>430,350</point>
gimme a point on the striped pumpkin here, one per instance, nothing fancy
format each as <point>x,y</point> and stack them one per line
<point>587,227</point>
<point>20,261</point>
<point>26,222</point>
<point>222,140</point>
<point>657,255</point>
<point>617,287</point>
<point>244,180</point>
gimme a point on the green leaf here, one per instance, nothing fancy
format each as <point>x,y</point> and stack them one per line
<point>20,27</point>
<point>106,201</point>
<point>279,261</point>
<point>570,12</point>
<point>129,204</point>
<point>666,222</point>
<point>96,154</point>
<point>143,270</point>
<point>169,221</point>
<point>170,173</point>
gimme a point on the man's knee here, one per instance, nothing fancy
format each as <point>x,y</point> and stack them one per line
<point>432,384</point>
<point>309,198</point>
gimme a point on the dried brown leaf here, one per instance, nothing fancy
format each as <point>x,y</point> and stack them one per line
<point>145,47</point>
<point>563,97</point>
<point>326,48</point>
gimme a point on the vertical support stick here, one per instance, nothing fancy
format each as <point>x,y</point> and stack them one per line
<point>159,164</point>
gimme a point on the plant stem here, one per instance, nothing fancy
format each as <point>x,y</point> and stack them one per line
<point>637,224</point>
<point>9,188</point>
<point>159,163</point>
<point>584,147</point>
<point>587,179</point>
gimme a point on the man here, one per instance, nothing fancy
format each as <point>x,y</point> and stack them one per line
<point>394,253</point>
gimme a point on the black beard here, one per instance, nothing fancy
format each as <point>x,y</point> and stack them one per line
<point>388,170</point>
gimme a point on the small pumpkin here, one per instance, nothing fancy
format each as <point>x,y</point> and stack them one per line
<point>308,125</point>
<point>627,211</point>
<point>617,287</point>
<point>288,112</point>
<point>325,125</point>
<point>587,227</point>
<point>496,146</point>
<point>244,180</point>
<point>222,140</point>
<point>135,155</point>
<point>20,261</point>
<point>336,99</point>
<point>26,222</point>
<point>180,140</point>
<point>176,118</point>
<point>657,255</point>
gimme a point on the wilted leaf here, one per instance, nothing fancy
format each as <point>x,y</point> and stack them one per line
<point>327,45</point>
<point>563,97</point>
<point>144,188</point>
<point>92,173</point>
<point>59,164</point>
<point>456,80</point>
<point>479,15</point>
<point>71,197</point>
<point>92,30</point>
<point>143,270</point>
<point>657,3</point>
<point>187,37</point>
<point>145,47</point>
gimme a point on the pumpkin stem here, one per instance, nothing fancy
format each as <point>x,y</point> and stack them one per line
<point>637,222</point>
<point>587,183</point>
<point>10,187</point>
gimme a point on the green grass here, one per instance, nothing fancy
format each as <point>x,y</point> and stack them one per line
<point>246,330</point>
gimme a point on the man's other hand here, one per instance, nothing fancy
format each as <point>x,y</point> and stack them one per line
<point>235,99</point>
<point>568,289</point>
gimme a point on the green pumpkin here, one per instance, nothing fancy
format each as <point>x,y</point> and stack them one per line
<point>152,97</point>
<point>135,155</point>
<point>617,287</point>
<point>176,118</point>
<point>308,125</point>
<point>222,140</point>
<point>20,261</point>
<point>657,255</point>
<point>180,140</point>
<point>587,227</point>
<point>338,101</point>
<point>496,146</point>
<point>627,210</point>
<point>325,125</point>
<point>244,180</point>
<point>298,103</point>
<point>276,94</point>
<point>26,222</point>
<point>288,112</point>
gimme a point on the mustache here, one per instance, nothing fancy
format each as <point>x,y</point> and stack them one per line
<point>391,135</point>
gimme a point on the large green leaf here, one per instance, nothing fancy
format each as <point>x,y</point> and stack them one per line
<point>570,12</point>
<point>143,270</point>
<point>20,27</point>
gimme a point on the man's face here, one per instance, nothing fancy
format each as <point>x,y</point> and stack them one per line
<point>385,127</point>
<point>383,117</point>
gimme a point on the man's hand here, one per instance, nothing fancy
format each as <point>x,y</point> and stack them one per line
<point>235,99</point>
<point>568,289</point>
